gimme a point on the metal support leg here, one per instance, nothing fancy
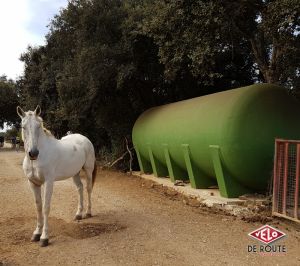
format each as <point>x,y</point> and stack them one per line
<point>229,187</point>
<point>197,179</point>
<point>159,170</point>
<point>145,166</point>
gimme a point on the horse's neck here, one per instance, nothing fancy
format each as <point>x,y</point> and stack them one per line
<point>45,139</point>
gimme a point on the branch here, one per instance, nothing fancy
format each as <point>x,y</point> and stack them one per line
<point>130,154</point>
<point>111,164</point>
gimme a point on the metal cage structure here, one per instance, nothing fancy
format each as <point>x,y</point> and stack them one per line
<point>286,179</point>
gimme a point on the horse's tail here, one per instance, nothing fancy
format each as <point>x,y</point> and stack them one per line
<point>94,174</point>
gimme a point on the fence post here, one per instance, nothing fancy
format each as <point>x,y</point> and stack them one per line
<point>297,182</point>
<point>275,177</point>
<point>284,194</point>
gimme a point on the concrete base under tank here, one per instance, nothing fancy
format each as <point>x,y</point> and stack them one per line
<point>242,206</point>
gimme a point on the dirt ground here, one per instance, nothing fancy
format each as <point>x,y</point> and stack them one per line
<point>133,224</point>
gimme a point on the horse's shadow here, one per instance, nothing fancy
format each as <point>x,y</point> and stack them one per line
<point>86,228</point>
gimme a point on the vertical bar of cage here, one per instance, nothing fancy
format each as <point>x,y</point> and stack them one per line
<point>275,178</point>
<point>284,195</point>
<point>297,182</point>
<point>279,171</point>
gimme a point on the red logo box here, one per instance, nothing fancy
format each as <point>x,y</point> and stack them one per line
<point>267,234</point>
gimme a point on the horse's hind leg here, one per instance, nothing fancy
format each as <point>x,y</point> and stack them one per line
<point>78,183</point>
<point>89,188</point>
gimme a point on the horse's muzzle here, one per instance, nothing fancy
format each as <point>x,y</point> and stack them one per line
<point>33,154</point>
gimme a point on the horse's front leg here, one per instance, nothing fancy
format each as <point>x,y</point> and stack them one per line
<point>48,189</point>
<point>38,202</point>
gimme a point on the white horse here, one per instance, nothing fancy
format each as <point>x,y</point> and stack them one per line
<point>48,159</point>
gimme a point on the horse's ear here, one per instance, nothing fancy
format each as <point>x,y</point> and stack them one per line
<point>20,112</point>
<point>37,110</point>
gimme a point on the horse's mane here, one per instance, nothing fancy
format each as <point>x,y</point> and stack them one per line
<point>47,131</point>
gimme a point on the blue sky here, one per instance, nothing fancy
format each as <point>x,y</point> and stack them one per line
<point>23,23</point>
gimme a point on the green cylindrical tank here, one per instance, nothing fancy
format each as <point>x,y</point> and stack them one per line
<point>225,138</point>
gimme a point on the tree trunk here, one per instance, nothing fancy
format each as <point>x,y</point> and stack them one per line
<point>268,67</point>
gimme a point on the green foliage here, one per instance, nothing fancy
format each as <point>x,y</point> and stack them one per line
<point>12,132</point>
<point>8,101</point>
<point>216,38</point>
<point>193,36</point>
<point>105,62</point>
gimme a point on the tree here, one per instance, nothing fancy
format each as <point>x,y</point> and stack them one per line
<point>272,29</point>
<point>199,35</point>
<point>74,76</point>
<point>8,102</point>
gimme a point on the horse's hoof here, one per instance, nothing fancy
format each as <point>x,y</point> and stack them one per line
<point>44,242</point>
<point>88,215</point>
<point>78,217</point>
<point>35,237</point>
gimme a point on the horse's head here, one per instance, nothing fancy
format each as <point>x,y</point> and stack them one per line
<point>31,127</point>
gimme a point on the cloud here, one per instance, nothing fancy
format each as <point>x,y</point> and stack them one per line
<point>23,23</point>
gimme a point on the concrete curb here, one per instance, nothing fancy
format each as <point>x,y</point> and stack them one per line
<point>212,198</point>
